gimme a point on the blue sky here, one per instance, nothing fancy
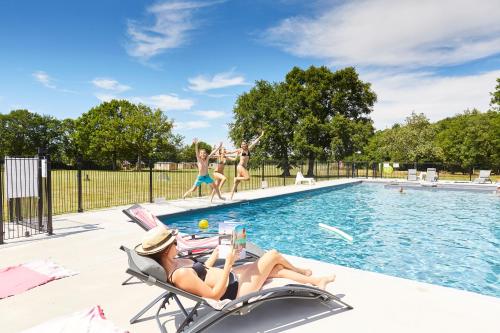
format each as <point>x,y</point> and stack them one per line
<point>193,58</point>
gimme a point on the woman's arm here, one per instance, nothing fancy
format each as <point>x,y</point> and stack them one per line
<point>186,279</point>
<point>215,151</point>
<point>255,141</point>
<point>213,257</point>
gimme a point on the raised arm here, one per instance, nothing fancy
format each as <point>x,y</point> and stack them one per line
<point>255,141</point>
<point>195,141</point>
<point>215,150</point>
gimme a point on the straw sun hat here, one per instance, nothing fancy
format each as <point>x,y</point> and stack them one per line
<point>156,240</point>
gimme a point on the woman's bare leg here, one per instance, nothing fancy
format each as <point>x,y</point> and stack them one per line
<point>319,281</point>
<point>216,182</point>
<point>251,277</point>
<point>221,183</point>
<point>192,189</point>
<point>235,186</point>
<point>214,188</point>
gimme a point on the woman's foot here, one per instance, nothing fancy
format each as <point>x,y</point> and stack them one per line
<point>325,280</point>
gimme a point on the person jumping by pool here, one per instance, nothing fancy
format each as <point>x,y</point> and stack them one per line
<point>202,159</point>
<point>244,154</point>
<point>219,176</point>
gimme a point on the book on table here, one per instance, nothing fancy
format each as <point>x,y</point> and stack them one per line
<point>232,235</point>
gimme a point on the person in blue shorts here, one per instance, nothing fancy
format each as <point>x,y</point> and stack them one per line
<point>202,159</point>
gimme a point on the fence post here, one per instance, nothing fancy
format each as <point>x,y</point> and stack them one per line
<point>150,182</point>
<point>262,171</point>
<point>1,203</point>
<point>328,170</point>
<point>338,169</point>
<point>49,195</point>
<point>40,189</point>
<point>366,170</point>
<point>235,174</point>
<point>79,184</point>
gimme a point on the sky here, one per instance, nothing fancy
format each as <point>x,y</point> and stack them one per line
<point>193,58</point>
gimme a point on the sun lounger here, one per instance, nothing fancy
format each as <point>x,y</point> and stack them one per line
<point>412,174</point>
<point>484,177</point>
<point>300,179</point>
<point>431,175</point>
<point>150,272</point>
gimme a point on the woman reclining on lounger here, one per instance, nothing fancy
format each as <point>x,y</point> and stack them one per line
<point>229,282</point>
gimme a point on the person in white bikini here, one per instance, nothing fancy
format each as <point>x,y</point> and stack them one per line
<point>218,174</point>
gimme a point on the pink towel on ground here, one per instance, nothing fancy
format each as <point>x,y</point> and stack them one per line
<point>91,320</point>
<point>17,279</point>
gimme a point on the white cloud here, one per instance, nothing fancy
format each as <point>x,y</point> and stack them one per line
<point>189,125</point>
<point>437,97</point>
<point>110,84</point>
<point>105,97</point>
<point>166,102</point>
<point>173,20</point>
<point>210,114</point>
<point>44,79</point>
<point>219,80</point>
<point>403,33</point>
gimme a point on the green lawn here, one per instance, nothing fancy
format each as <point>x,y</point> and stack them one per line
<point>102,189</point>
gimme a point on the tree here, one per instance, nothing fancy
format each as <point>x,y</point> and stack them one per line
<point>495,97</point>
<point>23,132</point>
<point>413,141</point>
<point>119,130</point>
<point>470,139</point>
<point>317,96</point>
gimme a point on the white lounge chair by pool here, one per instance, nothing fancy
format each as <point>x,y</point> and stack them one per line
<point>412,174</point>
<point>484,177</point>
<point>300,178</point>
<point>431,175</point>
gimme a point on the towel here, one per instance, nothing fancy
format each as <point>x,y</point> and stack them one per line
<point>91,320</point>
<point>17,279</point>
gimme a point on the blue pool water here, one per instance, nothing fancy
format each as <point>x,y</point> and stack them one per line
<point>449,238</point>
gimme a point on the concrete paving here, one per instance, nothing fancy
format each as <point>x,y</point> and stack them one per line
<point>89,242</point>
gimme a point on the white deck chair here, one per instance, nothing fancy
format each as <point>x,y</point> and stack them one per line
<point>431,175</point>
<point>412,174</point>
<point>300,178</point>
<point>484,177</point>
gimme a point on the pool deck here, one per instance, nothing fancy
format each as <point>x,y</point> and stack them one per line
<point>88,242</point>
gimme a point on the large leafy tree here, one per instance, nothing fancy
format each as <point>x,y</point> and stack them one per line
<point>317,96</point>
<point>119,130</point>
<point>23,132</point>
<point>470,139</point>
<point>412,141</point>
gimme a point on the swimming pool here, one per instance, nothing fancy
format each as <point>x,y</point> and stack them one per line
<point>449,238</point>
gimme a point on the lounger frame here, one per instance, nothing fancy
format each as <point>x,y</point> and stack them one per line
<point>239,306</point>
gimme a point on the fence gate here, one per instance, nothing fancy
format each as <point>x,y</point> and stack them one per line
<point>25,197</point>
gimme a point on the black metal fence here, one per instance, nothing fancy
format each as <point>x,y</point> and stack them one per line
<point>25,197</point>
<point>80,188</point>
<point>83,188</point>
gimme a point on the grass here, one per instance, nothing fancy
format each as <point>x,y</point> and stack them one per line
<point>102,189</point>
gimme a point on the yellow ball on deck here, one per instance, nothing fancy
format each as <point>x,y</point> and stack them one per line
<point>203,224</point>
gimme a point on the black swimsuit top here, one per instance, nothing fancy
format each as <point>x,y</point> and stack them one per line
<point>245,154</point>
<point>199,269</point>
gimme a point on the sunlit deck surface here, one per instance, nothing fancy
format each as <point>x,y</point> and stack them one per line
<point>89,243</point>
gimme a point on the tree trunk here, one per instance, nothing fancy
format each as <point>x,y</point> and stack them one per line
<point>310,165</point>
<point>285,165</point>
<point>139,163</point>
